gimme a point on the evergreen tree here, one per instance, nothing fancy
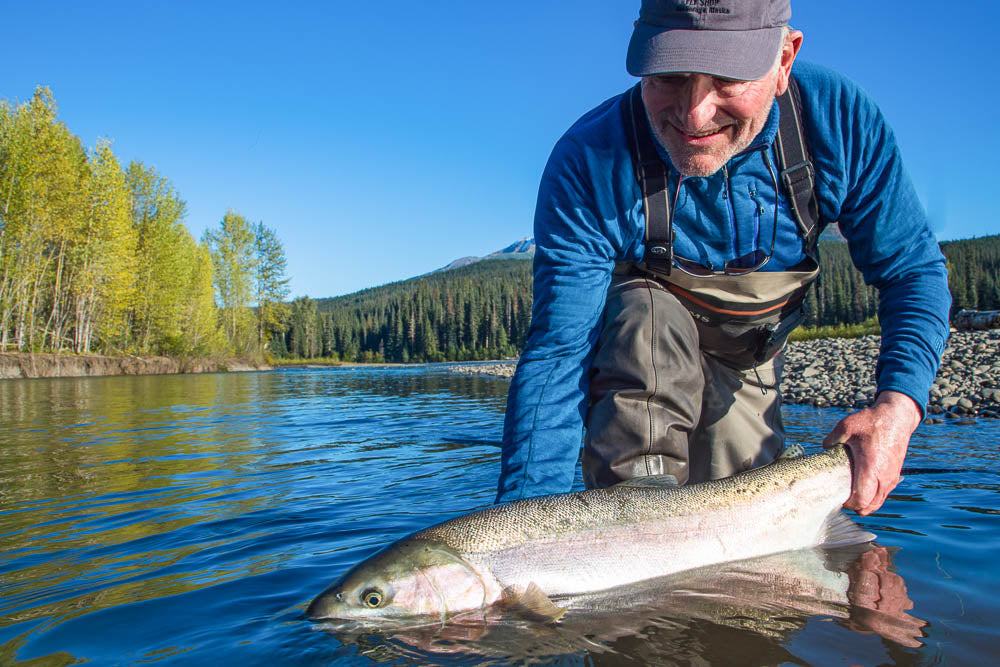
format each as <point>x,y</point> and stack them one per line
<point>270,283</point>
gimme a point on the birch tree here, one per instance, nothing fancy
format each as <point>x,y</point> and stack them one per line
<point>200,329</point>
<point>164,250</point>
<point>232,247</point>
<point>44,185</point>
<point>104,280</point>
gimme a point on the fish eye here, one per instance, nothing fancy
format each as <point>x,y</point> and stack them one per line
<point>372,597</point>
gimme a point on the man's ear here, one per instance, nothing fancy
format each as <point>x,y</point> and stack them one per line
<point>789,50</point>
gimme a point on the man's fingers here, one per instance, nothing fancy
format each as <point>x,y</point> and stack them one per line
<point>838,436</point>
<point>871,497</point>
<point>864,490</point>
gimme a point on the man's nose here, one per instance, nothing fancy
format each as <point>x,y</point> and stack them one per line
<point>697,101</point>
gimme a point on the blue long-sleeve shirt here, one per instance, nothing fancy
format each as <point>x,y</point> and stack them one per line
<point>589,215</point>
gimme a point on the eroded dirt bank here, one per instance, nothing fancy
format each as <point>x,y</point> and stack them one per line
<point>23,365</point>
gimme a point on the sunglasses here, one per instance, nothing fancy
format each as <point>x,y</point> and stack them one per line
<point>740,266</point>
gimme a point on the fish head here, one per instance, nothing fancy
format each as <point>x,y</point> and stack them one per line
<point>410,580</point>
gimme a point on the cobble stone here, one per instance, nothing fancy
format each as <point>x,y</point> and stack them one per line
<point>840,373</point>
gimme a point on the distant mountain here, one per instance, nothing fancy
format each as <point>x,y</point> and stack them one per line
<point>523,249</point>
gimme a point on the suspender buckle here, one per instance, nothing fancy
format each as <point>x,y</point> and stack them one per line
<point>798,173</point>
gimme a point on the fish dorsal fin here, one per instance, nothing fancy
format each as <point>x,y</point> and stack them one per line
<point>531,603</point>
<point>659,481</point>
<point>792,451</point>
<point>839,530</point>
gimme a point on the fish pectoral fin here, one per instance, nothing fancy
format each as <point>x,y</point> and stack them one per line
<point>839,530</point>
<point>660,481</point>
<point>792,451</point>
<point>531,603</point>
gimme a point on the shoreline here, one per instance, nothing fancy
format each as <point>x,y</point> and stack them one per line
<point>26,365</point>
<point>840,372</point>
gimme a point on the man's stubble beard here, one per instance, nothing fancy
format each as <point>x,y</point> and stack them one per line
<point>704,163</point>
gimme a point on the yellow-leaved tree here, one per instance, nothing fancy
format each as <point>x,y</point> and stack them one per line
<point>44,188</point>
<point>104,259</point>
<point>164,252</point>
<point>232,246</point>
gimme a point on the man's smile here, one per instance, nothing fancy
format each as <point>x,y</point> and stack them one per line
<point>699,136</point>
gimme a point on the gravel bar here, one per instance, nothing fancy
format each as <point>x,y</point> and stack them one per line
<point>840,372</point>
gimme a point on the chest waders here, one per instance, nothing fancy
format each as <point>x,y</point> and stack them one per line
<point>684,379</point>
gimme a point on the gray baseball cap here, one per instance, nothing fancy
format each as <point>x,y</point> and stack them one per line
<point>736,39</point>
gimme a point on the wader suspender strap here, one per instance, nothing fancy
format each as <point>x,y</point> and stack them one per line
<point>651,174</point>
<point>797,172</point>
<point>796,167</point>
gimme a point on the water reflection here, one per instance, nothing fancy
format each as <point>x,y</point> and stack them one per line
<point>124,489</point>
<point>152,519</point>
<point>743,612</point>
<point>423,383</point>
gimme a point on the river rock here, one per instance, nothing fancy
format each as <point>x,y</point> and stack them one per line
<point>840,372</point>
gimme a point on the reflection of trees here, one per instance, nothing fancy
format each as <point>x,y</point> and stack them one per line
<point>94,466</point>
<point>119,489</point>
<point>422,382</point>
<point>79,436</point>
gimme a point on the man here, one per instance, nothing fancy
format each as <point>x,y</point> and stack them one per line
<point>670,269</point>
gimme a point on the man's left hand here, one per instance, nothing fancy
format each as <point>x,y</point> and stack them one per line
<point>877,437</point>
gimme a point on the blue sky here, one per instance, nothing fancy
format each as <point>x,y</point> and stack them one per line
<point>383,140</point>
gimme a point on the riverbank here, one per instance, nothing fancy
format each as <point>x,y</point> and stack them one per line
<point>840,372</point>
<point>14,365</point>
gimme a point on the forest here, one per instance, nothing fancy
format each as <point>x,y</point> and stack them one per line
<point>479,311</point>
<point>95,256</point>
<point>482,311</point>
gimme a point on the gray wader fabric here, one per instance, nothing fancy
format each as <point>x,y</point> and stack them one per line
<point>663,401</point>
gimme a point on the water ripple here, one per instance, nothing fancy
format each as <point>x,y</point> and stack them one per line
<point>188,519</point>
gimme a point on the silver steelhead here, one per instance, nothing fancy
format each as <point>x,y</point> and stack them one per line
<point>523,554</point>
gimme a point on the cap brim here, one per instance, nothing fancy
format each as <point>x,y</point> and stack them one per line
<point>734,54</point>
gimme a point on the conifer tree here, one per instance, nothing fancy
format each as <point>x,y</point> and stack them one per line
<point>270,283</point>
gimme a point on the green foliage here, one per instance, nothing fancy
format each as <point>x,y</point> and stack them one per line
<point>868,327</point>
<point>249,274</point>
<point>840,296</point>
<point>97,258</point>
<point>165,256</point>
<point>46,215</point>
<point>105,283</point>
<point>270,284</point>
<point>974,272</point>
<point>233,262</point>
<point>480,311</point>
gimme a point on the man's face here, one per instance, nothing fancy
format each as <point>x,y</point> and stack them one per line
<point>703,121</point>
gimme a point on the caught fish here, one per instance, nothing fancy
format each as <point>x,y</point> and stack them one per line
<point>525,555</point>
<point>665,620</point>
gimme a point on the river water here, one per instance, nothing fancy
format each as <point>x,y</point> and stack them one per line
<point>190,519</point>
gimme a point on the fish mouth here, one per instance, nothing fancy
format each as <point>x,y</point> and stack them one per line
<point>324,606</point>
<point>319,608</point>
